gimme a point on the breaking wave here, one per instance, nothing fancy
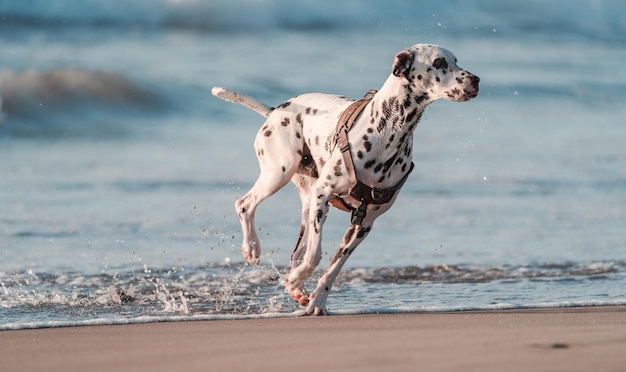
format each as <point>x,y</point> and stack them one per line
<point>239,290</point>
<point>453,274</point>
<point>35,103</point>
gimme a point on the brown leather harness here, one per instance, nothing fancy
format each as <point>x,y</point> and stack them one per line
<point>359,191</point>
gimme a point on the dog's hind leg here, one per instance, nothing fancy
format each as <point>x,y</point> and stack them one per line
<point>274,175</point>
<point>246,206</point>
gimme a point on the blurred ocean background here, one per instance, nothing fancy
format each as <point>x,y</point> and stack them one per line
<point>119,170</point>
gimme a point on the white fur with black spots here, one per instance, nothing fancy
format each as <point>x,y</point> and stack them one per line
<point>297,143</point>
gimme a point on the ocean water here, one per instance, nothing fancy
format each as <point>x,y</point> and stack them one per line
<point>119,170</point>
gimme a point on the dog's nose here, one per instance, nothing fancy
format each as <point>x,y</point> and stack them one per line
<point>474,80</point>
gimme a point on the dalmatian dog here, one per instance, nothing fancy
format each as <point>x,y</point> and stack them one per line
<point>354,155</point>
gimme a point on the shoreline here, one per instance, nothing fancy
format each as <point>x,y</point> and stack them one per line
<point>572,339</point>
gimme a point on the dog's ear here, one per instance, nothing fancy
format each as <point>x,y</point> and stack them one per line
<point>402,63</point>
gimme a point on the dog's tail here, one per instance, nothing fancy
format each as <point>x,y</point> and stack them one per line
<point>242,99</point>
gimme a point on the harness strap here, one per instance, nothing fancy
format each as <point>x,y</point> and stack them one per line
<point>363,193</point>
<point>346,120</point>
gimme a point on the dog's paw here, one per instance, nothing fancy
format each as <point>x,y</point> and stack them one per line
<point>317,303</point>
<point>315,311</point>
<point>300,296</point>
<point>252,256</point>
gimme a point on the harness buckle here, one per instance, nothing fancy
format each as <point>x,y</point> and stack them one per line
<point>370,93</point>
<point>359,214</point>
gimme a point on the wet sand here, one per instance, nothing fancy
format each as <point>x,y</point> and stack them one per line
<point>570,339</point>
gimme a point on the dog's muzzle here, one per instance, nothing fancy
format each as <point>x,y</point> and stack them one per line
<point>472,90</point>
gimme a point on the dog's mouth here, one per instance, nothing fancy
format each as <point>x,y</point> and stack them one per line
<point>472,89</point>
<point>468,93</point>
<point>471,93</point>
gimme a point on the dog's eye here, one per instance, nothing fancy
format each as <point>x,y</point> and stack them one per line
<point>440,63</point>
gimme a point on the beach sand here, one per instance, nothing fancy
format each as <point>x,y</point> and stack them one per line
<point>569,339</point>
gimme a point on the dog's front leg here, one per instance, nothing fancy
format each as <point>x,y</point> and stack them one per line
<point>318,209</point>
<point>352,238</point>
<point>303,184</point>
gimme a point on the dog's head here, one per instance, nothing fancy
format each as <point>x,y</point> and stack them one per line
<point>433,70</point>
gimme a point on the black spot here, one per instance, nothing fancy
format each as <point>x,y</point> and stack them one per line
<point>419,77</point>
<point>403,139</point>
<point>308,110</point>
<point>381,179</point>
<point>370,130</point>
<point>379,166</point>
<point>389,162</point>
<point>381,124</point>
<point>362,232</point>
<point>298,135</point>
<point>319,215</point>
<point>437,79</point>
<point>440,63</point>
<point>422,98</point>
<point>285,122</point>
<point>365,137</point>
<point>268,133</point>
<point>299,118</point>
<point>359,154</point>
<point>386,109</point>
<point>393,105</point>
<point>367,145</point>
<point>337,169</point>
<point>368,164</point>
<point>283,105</point>
<point>326,289</point>
<point>284,169</point>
